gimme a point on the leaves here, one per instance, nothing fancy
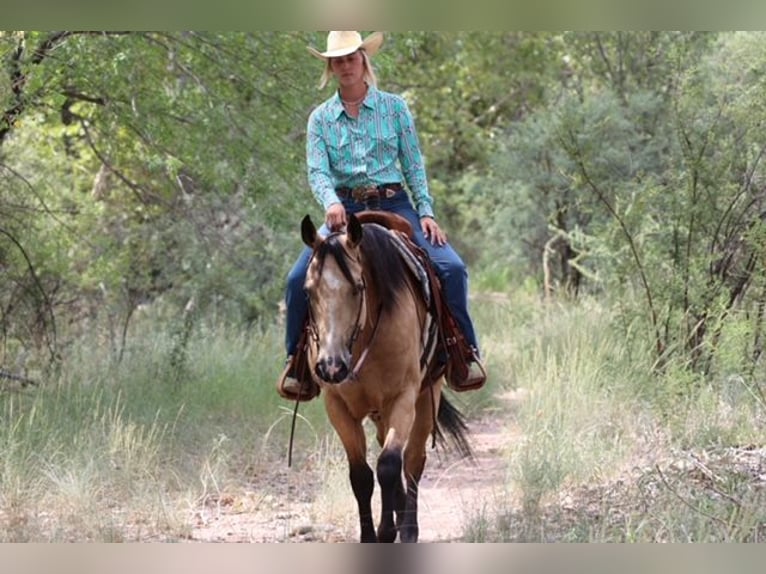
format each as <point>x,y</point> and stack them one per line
<point>157,167</point>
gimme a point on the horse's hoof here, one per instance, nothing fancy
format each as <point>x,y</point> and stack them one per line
<point>409,534</point>
<point>387,536</point>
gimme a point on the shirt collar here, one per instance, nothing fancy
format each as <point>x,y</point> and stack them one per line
<point>370,101</point>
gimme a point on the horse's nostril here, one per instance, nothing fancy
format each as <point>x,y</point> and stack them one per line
<point>332,370</point>
<point>341,373</point>
<point>323,371</point>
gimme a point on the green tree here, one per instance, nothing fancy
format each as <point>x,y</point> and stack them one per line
<point>466,88</point>
<point>142,166</point>
<point>642,176</point>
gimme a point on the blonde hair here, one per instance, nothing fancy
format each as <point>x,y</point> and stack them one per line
<point>369,72</point>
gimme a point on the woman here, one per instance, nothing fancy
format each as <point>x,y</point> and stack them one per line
<point>359,139</point>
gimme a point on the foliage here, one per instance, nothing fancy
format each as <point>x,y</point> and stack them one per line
<point>466,88</point>
<point>600,449</point>
<point>643,181</point>
<point>166,170</point>
<point>147,166</point>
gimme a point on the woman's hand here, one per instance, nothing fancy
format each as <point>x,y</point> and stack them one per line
<point>432,231</point>
<point>335,217</point>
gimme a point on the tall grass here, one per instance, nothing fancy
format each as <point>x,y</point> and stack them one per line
<point>569,365</point>
<point>611,451</point>
<point>72,462</point>
<point>112,452</point>
<point>131,450</point>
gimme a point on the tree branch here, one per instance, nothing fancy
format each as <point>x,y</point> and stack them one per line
<point>18,78</point>
<point>575,152</point>
<point>51,342</point>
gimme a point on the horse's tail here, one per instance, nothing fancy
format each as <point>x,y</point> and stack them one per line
<point>451,420</point>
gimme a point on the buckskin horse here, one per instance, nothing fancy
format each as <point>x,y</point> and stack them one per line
<point>367,323</point>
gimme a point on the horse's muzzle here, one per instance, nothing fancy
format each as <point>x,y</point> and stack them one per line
<point>332,370</point>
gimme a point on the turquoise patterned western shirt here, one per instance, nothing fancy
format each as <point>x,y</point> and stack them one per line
<point>345,152</point>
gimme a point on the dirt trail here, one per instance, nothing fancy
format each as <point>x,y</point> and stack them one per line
<point>453,491</point>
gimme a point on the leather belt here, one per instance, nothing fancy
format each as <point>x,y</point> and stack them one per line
<point>366,193</point>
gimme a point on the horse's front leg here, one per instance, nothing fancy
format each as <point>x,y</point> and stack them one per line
<point>415,461</point>
<point>351,434</point>
<point>362,484</point>
<point>390,479</point>
<point>390,465</point>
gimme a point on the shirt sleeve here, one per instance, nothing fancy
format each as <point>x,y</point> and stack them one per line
<point>411,160</point>
<point>318,163</point>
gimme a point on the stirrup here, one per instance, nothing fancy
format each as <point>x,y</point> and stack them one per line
<point>475,376</point>
<point>306,389</point>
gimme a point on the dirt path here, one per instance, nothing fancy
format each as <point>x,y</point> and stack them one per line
<point>453,492</point>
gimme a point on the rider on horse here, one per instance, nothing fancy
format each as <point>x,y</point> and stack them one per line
<point>362,147</point>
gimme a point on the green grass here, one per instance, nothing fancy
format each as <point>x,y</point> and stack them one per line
<point>72,462</point>
<point>611,452</point>
<point>112,452</point>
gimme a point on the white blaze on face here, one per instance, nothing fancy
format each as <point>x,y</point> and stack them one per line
<point>336,289</point>
<point>334,283</point>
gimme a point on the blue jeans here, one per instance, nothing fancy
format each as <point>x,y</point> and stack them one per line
<point>447,263</point>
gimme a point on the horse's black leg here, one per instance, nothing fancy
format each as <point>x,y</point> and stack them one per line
<point>401,502</point>
<point>390,480</point>
<point>363,483</point>
<point>415,462</point>
<point>351,434</point>
<point>408,527</point>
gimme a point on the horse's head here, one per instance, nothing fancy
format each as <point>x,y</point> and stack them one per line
<point>337,303</point>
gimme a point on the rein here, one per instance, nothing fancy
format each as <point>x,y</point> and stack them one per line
<point>360,361</point>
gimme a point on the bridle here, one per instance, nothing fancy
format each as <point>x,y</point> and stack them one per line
<point>359,287</point>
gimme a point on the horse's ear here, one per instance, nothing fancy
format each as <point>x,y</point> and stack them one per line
<point>354,230</point>
<point>308,231</point>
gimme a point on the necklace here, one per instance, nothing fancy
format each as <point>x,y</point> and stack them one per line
<point>354,103</point>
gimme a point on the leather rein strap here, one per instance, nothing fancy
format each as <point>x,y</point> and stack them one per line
<point>360,361</point>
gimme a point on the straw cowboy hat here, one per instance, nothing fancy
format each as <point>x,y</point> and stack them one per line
<point>343,43</point>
